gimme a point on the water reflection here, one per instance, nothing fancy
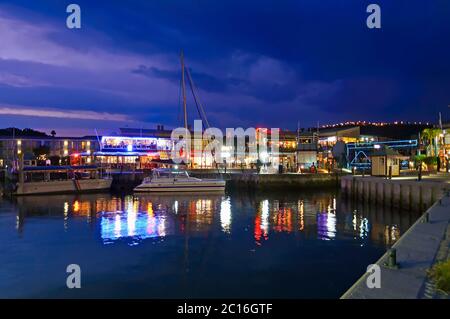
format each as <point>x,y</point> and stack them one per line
<point>225,215</point>
<point>136,218</point>
<point>135,225</point>
<point>183,243</point>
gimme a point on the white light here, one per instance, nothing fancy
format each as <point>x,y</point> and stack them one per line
<point>376,146</point>
<point>225,215</point>
<point>265,216</point>
<point>176,167</point>
<point>129,147</point>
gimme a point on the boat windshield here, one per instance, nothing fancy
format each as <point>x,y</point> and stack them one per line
<point>167,173</point>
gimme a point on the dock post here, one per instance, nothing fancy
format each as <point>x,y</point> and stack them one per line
<point>392,259</point>
<point>388,193</point>
<point>405,194</point>
<point>21,173</point>
<point>373,191</point>
<point>416,197</point>
<point>397,193</point>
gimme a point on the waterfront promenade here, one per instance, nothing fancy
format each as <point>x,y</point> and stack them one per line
<point>416,251</point>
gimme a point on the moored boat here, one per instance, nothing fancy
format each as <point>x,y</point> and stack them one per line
<point>61,179</point>
<point>167,180</point>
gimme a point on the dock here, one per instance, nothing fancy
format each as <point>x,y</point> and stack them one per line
<point>425,242</point>
<point>404,192</point>
<point>123,181</point>
<point>416,252</point>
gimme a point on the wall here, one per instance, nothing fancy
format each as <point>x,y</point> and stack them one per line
<point>403,193</point>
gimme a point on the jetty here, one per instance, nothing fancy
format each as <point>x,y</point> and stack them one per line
<point>403,268</point>
<point>405,192</point>
<point>237,179</point>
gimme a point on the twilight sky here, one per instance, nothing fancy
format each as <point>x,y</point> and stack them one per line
<point>269,63</point>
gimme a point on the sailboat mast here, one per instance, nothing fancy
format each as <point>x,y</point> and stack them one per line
<point>183,85</point>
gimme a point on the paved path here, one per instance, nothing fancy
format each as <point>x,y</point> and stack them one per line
<point>416,252</point>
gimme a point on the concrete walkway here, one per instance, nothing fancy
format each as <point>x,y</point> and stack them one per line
<point>416,253</point>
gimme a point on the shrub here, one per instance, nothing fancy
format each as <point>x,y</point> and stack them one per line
<point>429,160</point>
<point>441,275</point>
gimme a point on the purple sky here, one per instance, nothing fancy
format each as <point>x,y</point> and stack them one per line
<point>255,63</point>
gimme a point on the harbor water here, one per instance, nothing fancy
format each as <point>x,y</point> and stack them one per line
<point>235,245</point>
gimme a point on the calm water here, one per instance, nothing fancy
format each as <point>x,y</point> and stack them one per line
<point>289,245</point>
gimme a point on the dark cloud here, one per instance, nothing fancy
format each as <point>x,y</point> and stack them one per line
<point>205,81</point>
<point>264,61</point>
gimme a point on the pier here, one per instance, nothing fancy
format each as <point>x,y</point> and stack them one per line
<point>404,192</point>
<point>283,181</point>
<point>241,180</point>
<point>418,249</point>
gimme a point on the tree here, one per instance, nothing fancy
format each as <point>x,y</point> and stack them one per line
<point>53,133</point>
<point>41,150</point>
<point>429,135</point>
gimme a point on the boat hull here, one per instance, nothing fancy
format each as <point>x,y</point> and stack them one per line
<point>210,186</point>
<point>65,186</point>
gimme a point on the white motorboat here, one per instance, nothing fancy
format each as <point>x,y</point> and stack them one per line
<point>61,179</point>
<point>166,180</point>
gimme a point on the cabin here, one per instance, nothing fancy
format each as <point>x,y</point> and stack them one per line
<point>384,158</point>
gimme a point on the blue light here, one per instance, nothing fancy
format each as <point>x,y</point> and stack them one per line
<point>129,147</point>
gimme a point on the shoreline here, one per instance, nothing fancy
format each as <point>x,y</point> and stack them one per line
<point>417,250</point>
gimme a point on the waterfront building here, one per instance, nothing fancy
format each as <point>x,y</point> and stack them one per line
<point>386,162</point>
<point>46,150</point>
<point>307,149</point>
<point>445,139</point>
<point>144,148</point>
<point>138,148</point>
<point>362,139</point>
<point>288,150</point>
<point>135,148</point>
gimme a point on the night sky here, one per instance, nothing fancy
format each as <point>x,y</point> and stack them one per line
<point>256,63</point>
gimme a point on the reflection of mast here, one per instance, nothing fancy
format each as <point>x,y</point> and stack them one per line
<point>186,248</point>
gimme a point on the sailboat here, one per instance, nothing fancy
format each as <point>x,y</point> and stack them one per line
<point>175,180</point>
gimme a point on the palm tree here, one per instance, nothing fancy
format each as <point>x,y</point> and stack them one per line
<point>429,135</point>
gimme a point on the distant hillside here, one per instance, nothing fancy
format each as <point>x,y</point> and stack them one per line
<point>26,132</point>
<point>394,131</point>
<point>389,130</point>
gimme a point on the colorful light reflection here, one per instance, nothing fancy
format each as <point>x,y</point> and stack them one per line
<point>131,224</point>
<point>225,215</point>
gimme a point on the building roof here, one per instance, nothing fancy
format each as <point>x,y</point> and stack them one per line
<point>137,132</point>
